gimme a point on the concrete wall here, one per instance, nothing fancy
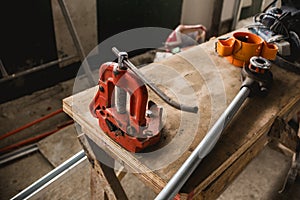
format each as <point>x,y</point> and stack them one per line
<point>228,9</point>
<point>197,12</point>
<point>201,11</point>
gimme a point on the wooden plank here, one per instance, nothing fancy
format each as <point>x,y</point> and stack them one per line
<point>224,154</point>
<point>60,146</point>
<point>282,133</point>
<point>150,178</point>
<point>106,175</point>
<point>73,184</point>
<point>252,117</point>
<point>97,191</point>
<point>212,190</point>
<point>215,188</point>
<point>113,180</point>
<point>215,83</point>
<point>121,173</point>
<point>99,186</point>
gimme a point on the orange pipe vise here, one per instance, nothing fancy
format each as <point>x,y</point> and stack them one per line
<point>134,125</point>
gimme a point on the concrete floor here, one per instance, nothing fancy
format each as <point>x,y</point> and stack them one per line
<point>261,179</point>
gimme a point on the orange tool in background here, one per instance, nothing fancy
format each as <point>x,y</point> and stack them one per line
<point>242,46</point>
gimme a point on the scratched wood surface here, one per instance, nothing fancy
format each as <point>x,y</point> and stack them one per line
<point>197,76</point>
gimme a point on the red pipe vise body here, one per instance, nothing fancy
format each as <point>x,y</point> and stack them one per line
<point>134,125</point>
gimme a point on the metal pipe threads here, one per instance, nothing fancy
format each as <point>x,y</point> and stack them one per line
<point>259,64</point>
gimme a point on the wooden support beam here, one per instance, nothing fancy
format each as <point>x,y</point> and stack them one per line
<point>281,132</point>
<point>216,19</point>
<point>282,136</point>
<point>97,191</point>
<point>106,176</point>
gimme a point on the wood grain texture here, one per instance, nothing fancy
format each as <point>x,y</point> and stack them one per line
<point>102,175</point>
<point>215,83</point>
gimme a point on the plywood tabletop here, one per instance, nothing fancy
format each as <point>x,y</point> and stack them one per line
<point>197,76</point>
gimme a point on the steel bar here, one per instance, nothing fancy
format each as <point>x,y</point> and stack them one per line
<point>205,146</point>
<point>216,19</point>
<point>10,133</point>
<point>76,41</point>
<point>51,176</point>
<point>154,88</point>
<point>121,100</point>
<point>237,13</point>
<point>35,138</point>
<point>37,68</point>
<point>18,153</point>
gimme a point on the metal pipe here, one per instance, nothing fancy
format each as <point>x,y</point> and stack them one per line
<point>18,153</point>
<point>51,176</point>
<point>31,123</point>
<point>154,88</point>
<point>236,13</point>
<point>121,100</point>
<point>35,138</point>
<point>216,19</point>
<point>37,68</point>
<point>121,94</point>
<point>76,41</point>
<point>205,146</point>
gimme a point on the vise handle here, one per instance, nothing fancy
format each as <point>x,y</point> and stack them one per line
<point>152,86</point>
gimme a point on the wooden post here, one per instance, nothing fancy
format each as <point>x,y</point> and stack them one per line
<point>216,19</point>
<point>102,176</point>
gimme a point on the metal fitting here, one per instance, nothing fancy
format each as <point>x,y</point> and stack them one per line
<point>257,76</point>
<point>121,57</point>
<point>259,64</point>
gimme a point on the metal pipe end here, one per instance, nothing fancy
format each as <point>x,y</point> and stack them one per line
<point>190,109</point>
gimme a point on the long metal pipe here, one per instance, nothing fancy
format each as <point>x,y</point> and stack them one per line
<point>236,13</point>
<point>76,41</point>
<point>154,88</point>
<point>37,68</point>
<point>205,146</point>
<point>77,45</point>
<point>18,153</point>
<point>51,176</point>
<point>121,99</point>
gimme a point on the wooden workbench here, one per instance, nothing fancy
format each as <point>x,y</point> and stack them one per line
<point>215,82</point>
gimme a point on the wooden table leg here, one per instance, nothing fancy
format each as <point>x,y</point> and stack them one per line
<point>103,177</point>
<point>97,189</point>
<point>286,138</point>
